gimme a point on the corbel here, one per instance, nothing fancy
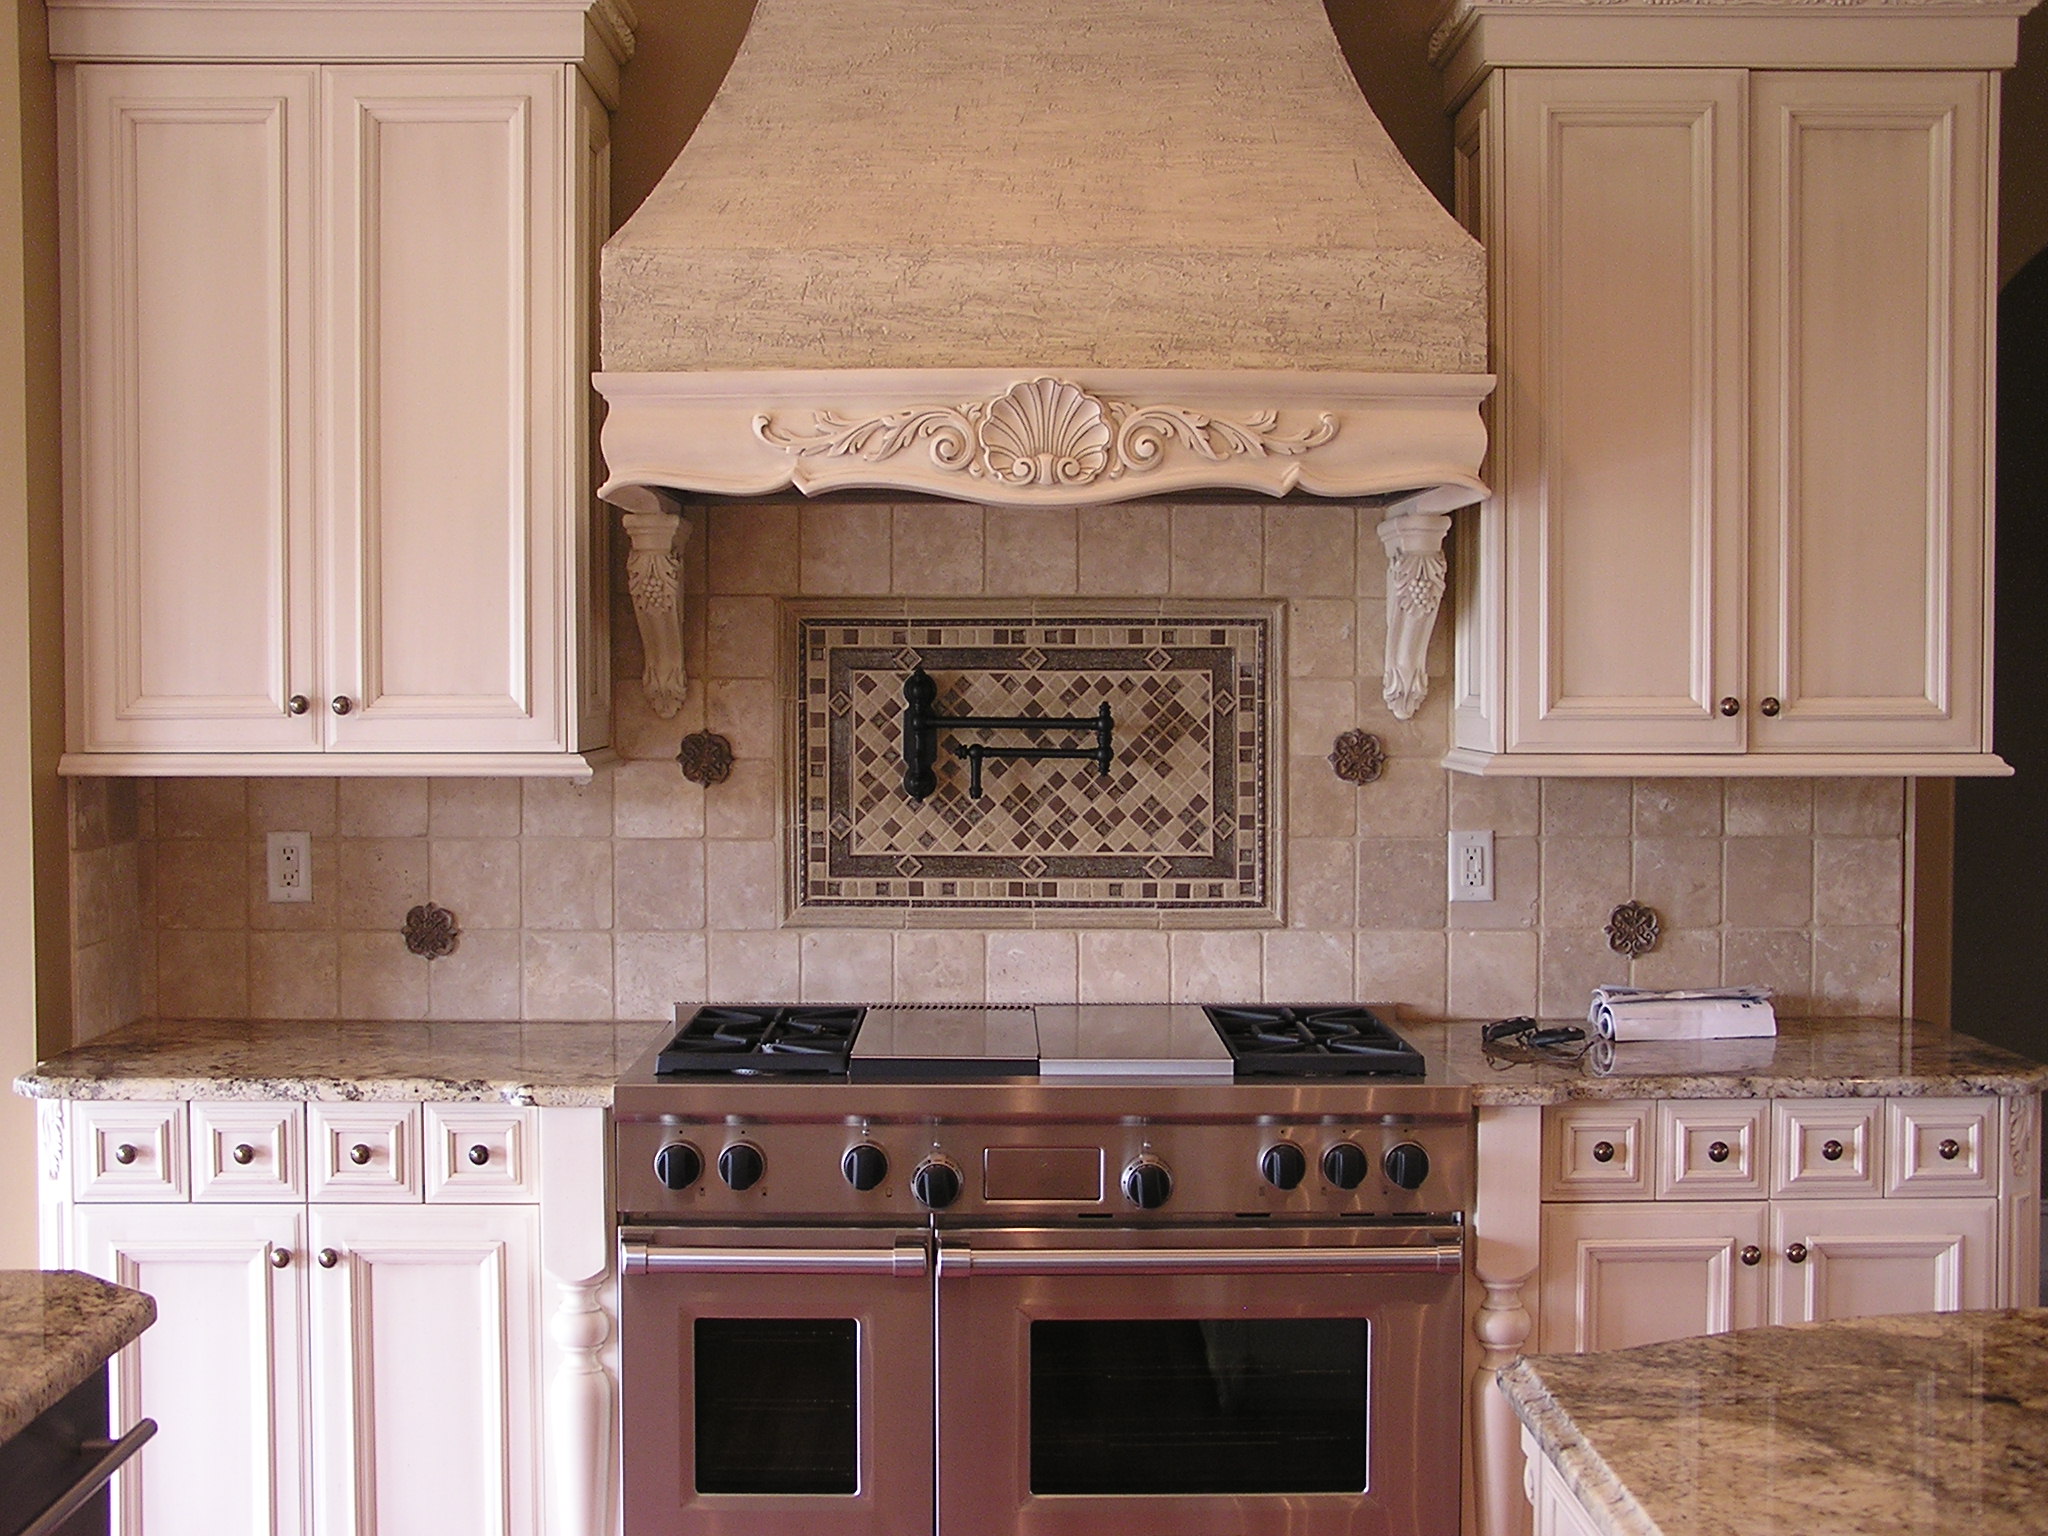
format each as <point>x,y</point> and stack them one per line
<point>1414,542</point>
<point>654,578</point>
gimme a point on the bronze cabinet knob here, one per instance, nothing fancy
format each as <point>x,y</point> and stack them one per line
<point>297,704</point>
<point>1603,1151</point>
<point>243,1153</point>
<point>125,1154</point>
<point>1718,1152</point>
<point>1831,1150</point>
<point>359,1154</point>
<point>1950,1149</point>
<point>280,1258</point>
<point>342,704</point>
<point>1731,706</point>
<point>1769,707</point>
<point>1796,1253</point>
<point>479,1154</point>
<point>1752,1255</point>
<point>327,1258</point>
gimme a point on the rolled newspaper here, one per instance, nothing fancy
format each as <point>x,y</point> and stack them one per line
<point>1723,1013</point>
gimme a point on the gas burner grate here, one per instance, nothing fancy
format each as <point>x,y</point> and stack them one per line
<point>1299,1041</point>
<point>729,1038</point>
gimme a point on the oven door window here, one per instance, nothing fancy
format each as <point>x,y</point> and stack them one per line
<point>1199,1406</point>
<point>778,1407</point>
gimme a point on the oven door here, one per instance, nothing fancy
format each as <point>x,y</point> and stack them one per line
<point>776,1382</point>
<point>1200,1382</point>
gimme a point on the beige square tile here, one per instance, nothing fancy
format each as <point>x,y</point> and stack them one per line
<point>379,977</point>
<point>1217,551</point>
<point>1768,882</point>
<point>846,549</point>
<point>324,871</point>
<point>380,879</point>
<point>941,966</point>
<point>294,976</point>
<point>1515,887</point>
<point>208,808</point>
<point>1033,966</point>
<point>1322,883</point>
<point>1492,975</point>
<point>1586,807</point>
<point>740,635</point>
<point>1859,807</point>
<point>655,800</point>
<point>124,808</point>
<point>566,883</point>
<point>565,975</point>
<point>1411,798</point>
<point>1688,959</point>
<point>480,980</point>
<point>1309,550</point>
<point>293,805</point>
<point>1319,710</point>
<point>564,808</point>
<point>1573,963</point>
<point>745,804</point>
<point>1583,879</point>
<point>1125,550</point>
<point>1504,807</point>
<point>98,974</point>
<point>145,807</point>
<point>639,734</point>
<point>847,965</point>
<point>202,974</point>
<point>1217,966</point>
<point>1401,882</point>
<point>1856,971</point>
<point>478,879</point>
<point>936,550</point>
<point>1858,881</point>
<point>1031,551</point>
<point>1767,807</point>
<point>86,801</point>
<point>474,808</point>
<point>752,967</point>
<point>106,893</point>
<point>1681,878</point>
<point>753,548</point>
<point>1778,958</point>
<point>743,882</point>
<point>1123,966</point>
<point>1401,966</point>
<point>658,883</point>
<point>200,883</point>
<point>747,713</point>
<point>1322,637</point>
<point>1678,807</point>
<point>1308,967</point>
<point>654,971</point>
<point>1319,804</point>
<point>381,807</point>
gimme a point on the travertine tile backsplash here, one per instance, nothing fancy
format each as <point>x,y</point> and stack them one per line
<point>614,899</point>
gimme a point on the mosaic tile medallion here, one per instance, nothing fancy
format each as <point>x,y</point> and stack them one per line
<point>1182,823</point>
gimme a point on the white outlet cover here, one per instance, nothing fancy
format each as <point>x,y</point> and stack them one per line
<point>1471,864</point>
<point>288,858</point>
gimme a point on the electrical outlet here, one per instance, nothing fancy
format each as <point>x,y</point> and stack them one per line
<point>290,859</point>
<point>1471,866</point>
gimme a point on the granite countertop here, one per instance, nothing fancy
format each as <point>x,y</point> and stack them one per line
<point>1926,1424</point>
<point>576,1064</point>
<point>56,1328</point>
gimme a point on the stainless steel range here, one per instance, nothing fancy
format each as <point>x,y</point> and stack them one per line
<point>1060,1271</point>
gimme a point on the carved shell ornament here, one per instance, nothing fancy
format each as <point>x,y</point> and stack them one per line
<point>1044,432</point>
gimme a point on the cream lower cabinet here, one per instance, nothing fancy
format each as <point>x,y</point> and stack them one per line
<point>329,335</point>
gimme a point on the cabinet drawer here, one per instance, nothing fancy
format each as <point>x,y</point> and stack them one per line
<point>1941,1146</point>
<point>478,1152</point>
<point>127,1150</point>
<point>1711,1149</point>
<point>1597,1152</point>
<point>248,1151</point>
<point>1829,1147</point>
<point>364,1152</point>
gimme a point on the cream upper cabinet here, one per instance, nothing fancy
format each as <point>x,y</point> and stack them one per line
<point>328,328</point>
<point>1741,512</point>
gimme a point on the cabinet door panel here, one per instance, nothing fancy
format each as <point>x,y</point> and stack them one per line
<point>446,428</point>
<point>191,541</point>
<point>218,1370</point>
<point>1867,1258</point>
<point>1623,472</point>
<point>1869,391</point>
<point>1625,1274</point>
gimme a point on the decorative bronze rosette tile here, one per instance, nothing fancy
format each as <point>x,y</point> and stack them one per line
<point>1633,929</point>
<point>706,758</point>
<point>430,931</point>
<point>1359,757</point>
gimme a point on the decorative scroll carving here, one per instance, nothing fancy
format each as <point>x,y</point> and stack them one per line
<point>1359,757</point>
<point>579,1401</point>
<point>1044,433</point>
<point>653,578</point>
<point>705,758</point>
<point>1633,929</point>
<point>430,931</point>
<point>1414,542</point>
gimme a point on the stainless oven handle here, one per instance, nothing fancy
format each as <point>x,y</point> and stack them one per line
<point>907,1260</point>
<point>956,1259</point>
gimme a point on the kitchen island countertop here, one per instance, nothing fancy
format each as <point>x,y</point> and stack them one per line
<point>1921,1425</point>
<point>56,1328</point>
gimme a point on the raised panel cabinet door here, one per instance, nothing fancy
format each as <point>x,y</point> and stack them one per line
<point>425,1354</point>
<point>449,326</point>
<point>1868,1258</point>
<point>190,518</point>
<point>1620,455</point>
<point>219,1370</point>
<point>1870,396</point>
<point>1632,1273</point>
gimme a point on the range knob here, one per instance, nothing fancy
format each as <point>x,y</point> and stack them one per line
<point>741,1165</point>
<point>935,1183</point>
<point>1407,1165</point>
<point>1344,1165</point>
<point>1147,1184</point>
<point>677,1165</point>
<point>1283,1164</point>
<point>865,1166</point>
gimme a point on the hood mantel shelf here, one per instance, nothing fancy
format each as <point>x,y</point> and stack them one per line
<point>1047,253</point>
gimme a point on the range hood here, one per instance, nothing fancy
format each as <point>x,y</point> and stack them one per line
<point>1045,252</point>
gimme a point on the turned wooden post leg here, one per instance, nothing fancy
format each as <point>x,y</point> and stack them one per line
<point>1505,1251</point>
<point>579,1410</point>
<point>1502,1328</point>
